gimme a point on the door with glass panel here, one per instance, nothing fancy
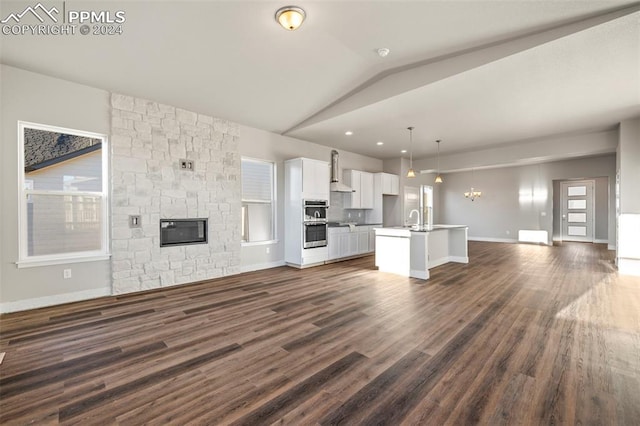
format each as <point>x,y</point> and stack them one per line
<point>577,210</point>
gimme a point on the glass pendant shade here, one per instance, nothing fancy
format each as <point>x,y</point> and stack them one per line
<point>411,173</point>
<point>438,177</point>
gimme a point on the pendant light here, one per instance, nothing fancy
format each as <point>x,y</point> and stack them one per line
<point>438,177</point>
<point>290,17</point>
<point>411,173</point>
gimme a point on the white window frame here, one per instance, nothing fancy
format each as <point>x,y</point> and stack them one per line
<point>274,204</point>
<point>24,260</point>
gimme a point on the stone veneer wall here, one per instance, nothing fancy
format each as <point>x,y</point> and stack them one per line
<point>147,141</point>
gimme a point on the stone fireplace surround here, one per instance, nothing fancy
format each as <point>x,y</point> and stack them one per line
<point>148,140</point>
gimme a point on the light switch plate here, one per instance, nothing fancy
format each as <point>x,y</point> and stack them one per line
<point>135,221</point>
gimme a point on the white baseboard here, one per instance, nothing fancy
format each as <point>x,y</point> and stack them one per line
<point>423,275</point>
<point>261,266</point>
<point>459,259</point>
<point>611,247</point>
<point>493,240</point>
<point>596,241</point>
<point>41,302</point>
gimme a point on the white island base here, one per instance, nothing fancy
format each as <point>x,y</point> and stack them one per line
<point>412,253</point>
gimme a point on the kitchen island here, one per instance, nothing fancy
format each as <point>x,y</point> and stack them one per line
<point>413,251</point>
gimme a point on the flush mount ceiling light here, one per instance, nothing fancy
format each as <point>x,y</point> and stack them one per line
<point>411,173</point>
<point>379,143</point>
<point>290,17</point>
<point>438,177</point>
<point>348,133</point>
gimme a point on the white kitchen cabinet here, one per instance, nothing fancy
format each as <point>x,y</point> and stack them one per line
<point>333,242</point>
<point>305,178</point>
<point>390,184</point>
<point>362,185</point>
<point>366,190</point>
<point>363,239</point>
<point>342,242</point>
<point>372,239</point>
<point>315,179</point>
<point>348,244</point>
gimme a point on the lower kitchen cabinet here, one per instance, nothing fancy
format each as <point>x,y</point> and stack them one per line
<point>344,243</point>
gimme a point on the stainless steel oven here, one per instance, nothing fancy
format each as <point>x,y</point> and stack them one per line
<point>314,234</point>
<point>315,210</point>
<point>314,226</point>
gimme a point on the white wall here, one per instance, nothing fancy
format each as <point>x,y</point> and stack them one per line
<point>269,146</point>
<point>42,99</point>
<point>628,256</point>
<point>37,98</point>
<point>521,198</point>
<point>630,166</point>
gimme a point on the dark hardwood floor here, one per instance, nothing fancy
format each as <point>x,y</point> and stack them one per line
<point>523,334</point>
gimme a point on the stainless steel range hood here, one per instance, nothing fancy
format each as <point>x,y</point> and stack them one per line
<point>336,185</point>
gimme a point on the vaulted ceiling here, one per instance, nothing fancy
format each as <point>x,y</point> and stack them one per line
<point>472,73</point>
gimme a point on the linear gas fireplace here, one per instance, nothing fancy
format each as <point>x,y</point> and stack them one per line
<point>180,232</point>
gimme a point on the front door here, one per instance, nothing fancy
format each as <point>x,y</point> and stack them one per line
<point>577,210</point>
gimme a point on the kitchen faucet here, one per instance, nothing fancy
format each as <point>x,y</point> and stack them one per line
<point>418,213</point>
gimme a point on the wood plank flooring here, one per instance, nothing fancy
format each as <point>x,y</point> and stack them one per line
<point>523,334</point>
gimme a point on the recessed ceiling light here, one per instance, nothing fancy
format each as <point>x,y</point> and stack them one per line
<point>379,143</point>
<point>404,151</point>
<point>348,133</point>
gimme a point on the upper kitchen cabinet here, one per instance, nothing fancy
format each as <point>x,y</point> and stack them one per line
<point>307,179</point>
<point>362,185</point>
<point>390,184</point>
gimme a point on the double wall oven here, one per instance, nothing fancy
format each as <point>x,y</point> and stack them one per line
<point>314,225</point>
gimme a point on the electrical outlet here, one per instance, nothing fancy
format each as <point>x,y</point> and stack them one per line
<point>359,214</point>
<point>66,273</point>
<point>508,232</point>
<point>349,215</point>
<point>268,250</point>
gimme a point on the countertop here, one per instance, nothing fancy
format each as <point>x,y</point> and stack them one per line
<point>407,230</point>
<point>345,224</point>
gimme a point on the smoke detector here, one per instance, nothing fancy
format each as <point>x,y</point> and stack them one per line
<point>383,52</point>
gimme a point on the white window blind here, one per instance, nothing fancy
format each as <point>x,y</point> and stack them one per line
<point>257,180</point>
<point>258,207</point>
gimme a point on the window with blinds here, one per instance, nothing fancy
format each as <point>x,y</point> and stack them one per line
<point>258,200</point>
<point>63,209</point>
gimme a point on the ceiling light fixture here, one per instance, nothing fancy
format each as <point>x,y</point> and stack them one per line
<point>290,17</point>
<point>348,133</point>
<point>379,143</point>
<point>411,173</point>
<point>438,177</point>
<point>404,151</point>
<point>472,194</point>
